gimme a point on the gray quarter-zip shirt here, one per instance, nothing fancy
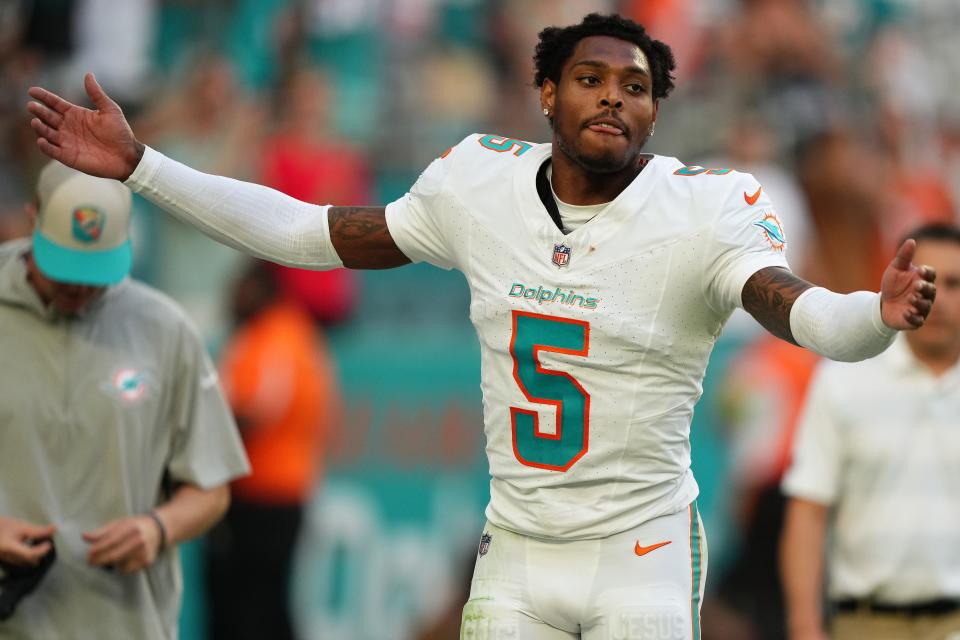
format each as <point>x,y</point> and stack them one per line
<point>100,416</point>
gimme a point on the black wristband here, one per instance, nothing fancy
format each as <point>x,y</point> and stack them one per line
<point>163,530</point>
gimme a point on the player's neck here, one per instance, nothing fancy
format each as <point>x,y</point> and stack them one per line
<point>575,185</point>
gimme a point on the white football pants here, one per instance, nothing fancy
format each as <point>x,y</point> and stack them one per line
<point>645,583</point>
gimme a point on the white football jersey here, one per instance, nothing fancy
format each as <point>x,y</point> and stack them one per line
<point>593,343</point>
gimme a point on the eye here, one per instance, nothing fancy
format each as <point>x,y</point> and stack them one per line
<point>636,88</point>
<point>589,81</point>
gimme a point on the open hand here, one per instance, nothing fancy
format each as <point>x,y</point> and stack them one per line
<point>906,290</point>
<point>22,543</point>
<point>129,544</point>
<point>98,142</point>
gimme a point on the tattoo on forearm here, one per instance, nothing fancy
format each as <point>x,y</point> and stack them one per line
<point>769,295</point>
<point>362,240</point>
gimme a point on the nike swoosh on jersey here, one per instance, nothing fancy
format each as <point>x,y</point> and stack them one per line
<point>752,200</point>
<point>642,551</point>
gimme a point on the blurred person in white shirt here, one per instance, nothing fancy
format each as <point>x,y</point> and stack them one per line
<point>875,473</point>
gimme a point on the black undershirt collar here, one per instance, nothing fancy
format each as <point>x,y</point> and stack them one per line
<point>546,195</point>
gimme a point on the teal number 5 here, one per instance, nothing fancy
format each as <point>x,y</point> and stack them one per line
<point>501,144</point>
<point>533,333</point>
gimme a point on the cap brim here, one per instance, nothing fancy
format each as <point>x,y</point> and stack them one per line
<point>94,268</point>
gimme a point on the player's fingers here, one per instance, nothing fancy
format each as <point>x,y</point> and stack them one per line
<point>913,319</point>
<point>905,255</point>
<point>52,100</point>
<point>928,273</point>
<point>926,290</point>
<point>46,114</point>
<point>929,295</point>
<point>45,131</point>
<point>99,97</point>
<point>923,306</point>
<point>51,150</point>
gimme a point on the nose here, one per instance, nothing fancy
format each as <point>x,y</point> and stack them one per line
<point>611,100</point>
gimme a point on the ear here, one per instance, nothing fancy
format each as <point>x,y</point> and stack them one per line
<point>656,108</point>
<point>548,96</point>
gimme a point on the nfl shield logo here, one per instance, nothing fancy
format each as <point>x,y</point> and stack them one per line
<point>484,543</point>
<point>561,255</point>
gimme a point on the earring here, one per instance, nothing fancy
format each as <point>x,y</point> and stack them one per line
<point>546,112</point>
<point>652,128</point>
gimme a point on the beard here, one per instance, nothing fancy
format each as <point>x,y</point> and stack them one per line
<point>604,162</point>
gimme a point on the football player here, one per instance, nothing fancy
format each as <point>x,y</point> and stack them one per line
<point>600,278</point>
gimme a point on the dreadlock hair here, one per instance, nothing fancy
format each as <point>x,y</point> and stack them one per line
<point>557,44</point>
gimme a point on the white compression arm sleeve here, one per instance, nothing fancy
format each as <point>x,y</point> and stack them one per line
<point>840,327</point>
<point>245,216</point>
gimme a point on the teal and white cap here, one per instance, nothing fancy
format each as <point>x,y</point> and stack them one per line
<point>82,234</point>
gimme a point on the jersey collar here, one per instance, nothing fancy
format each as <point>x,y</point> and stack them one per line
<point>531,186</point>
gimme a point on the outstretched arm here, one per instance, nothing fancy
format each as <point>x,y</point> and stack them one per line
<point>248,217</point>
<point>842,327</point>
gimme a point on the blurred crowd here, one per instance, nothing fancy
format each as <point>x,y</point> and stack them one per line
<point>843,110</point>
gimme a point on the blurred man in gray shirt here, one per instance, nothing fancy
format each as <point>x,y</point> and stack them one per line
<point>116,441</point>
